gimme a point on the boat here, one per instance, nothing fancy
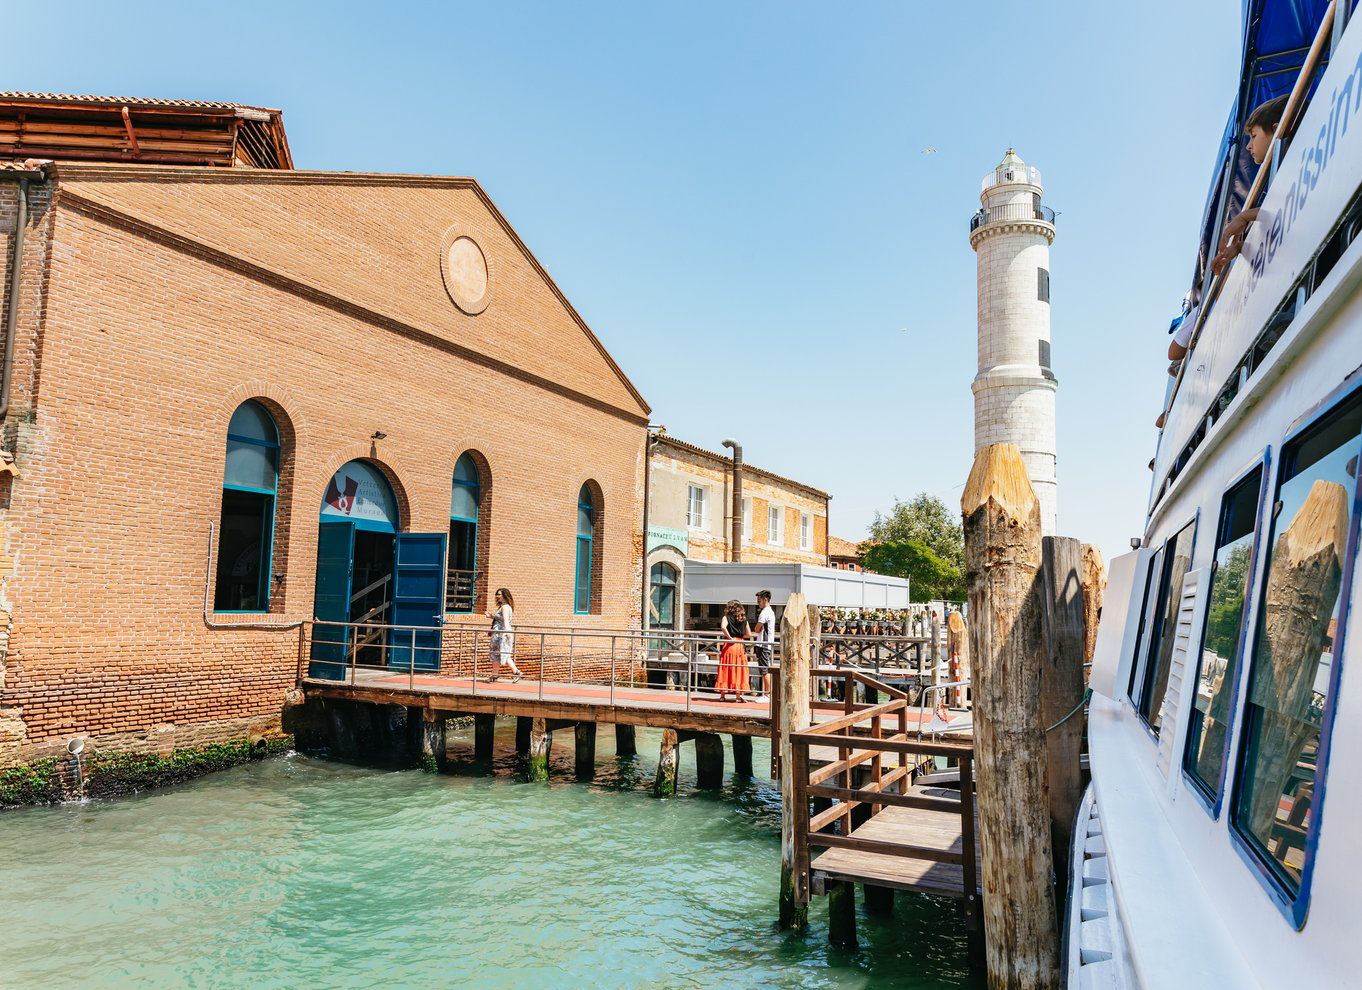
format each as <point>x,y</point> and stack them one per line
<point>1221,832</point>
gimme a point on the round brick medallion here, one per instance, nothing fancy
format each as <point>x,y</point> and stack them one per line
<point>464,268</point>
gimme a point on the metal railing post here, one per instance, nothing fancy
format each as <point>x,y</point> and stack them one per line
<point>541,666</point>
<point>411,663</point>
<point>572,656</point>
<point>613,644</point>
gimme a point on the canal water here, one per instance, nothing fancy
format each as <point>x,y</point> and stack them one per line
<point>301,872</point>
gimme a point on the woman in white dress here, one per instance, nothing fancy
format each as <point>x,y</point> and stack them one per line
<point>503,635</point>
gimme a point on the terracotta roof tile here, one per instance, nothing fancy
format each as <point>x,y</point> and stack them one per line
<point>130,101</point>
<point>838,547</point>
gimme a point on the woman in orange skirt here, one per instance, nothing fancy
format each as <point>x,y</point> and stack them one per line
<point>734,677</point>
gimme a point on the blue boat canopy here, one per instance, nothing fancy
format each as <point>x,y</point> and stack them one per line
<point>1277,37</point>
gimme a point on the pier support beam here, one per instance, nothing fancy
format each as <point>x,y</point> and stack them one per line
<point>433,744</point>
<point>879,900</point>
<point>1003,566</point>
<point>742,755</point>
<point>842,913</point>
<point>664,785</point>
<point>541,739</point>
<point>523,726</point>
<point>709,761</point>
<point>796,626</point>
<point>625,744</point>
<point>484,732</point>
<point>584,734</point>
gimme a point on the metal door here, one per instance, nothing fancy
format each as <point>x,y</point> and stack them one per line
<point>331,603</point>
<point>418,600</point>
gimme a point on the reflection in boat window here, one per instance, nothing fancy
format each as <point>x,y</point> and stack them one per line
<point>1207,733</point>
<point>1295,642</point>
<point>1177,557</point>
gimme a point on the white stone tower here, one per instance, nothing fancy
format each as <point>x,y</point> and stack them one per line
<point>1014,391</point>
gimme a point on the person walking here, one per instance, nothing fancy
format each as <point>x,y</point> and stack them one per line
<point>503,635</point>
<point>733,673</point>
<point>766,641</point>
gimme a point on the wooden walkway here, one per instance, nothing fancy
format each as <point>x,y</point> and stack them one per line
<point>925,829</point>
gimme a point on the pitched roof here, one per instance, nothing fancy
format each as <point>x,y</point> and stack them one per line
<point>128,100</point>
<point>372,243</point>
<point>838,547</point>
<point>747,466</point>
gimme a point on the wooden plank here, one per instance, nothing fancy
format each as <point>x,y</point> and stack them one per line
<point>889,799</point>
<point>893,744</point>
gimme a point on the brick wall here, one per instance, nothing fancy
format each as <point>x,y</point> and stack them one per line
<point>134,353</point>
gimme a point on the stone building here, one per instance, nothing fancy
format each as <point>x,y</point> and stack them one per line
<point>238,398</point>
<point>1014,391</point>
<point>690,517</point>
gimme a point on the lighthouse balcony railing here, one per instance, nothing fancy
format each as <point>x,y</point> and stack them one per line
<point>1012,212</point>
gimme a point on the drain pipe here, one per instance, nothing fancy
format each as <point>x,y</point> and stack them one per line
<point>12,296</point>
<point>735,554</point>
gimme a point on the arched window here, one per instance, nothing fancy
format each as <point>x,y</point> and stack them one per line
<point>662,596</point>
<point>246,526</point>
<point>587,577</point>
<point>461,577</point>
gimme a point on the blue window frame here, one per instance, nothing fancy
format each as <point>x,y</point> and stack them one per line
<point>465,501</point>
<point>1293,679</point>
<point>1153,679</point>
<point>250,480</point>
<point>584,595</point>
<point>1216,666</point>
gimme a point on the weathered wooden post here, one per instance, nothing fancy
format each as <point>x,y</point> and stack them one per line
<point>1094,575</point>
<point>433,744</point>
<point>540,742</point>
<point>584,736</point>
<point>625,744</point>
<point>1061,694</point>
<point>484,734</point>
<point>842,913</point>
<point>742,755</point>
<point>664,784</point>
<point>1003,562</point>
<point>796,628</point>
<point>709,761</point>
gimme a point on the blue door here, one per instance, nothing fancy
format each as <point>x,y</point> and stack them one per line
<point>418,600</point>
<point>331,603</point>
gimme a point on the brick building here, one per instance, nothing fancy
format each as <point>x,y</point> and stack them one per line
<point>241,396</point>
<point>690,517</point>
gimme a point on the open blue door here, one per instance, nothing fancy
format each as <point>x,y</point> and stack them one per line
<point>418,600</point>
<point>331,603</point>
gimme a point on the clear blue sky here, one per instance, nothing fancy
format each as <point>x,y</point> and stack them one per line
<point>715,184</point>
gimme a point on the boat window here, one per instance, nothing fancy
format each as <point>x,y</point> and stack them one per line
<point>1297,637</point>
<point>1151,581</point>
<point>1208,731</point>
<point>1177,557</point>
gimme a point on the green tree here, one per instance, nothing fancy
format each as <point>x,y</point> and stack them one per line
<point>926,519</point>
<point>929,577</point>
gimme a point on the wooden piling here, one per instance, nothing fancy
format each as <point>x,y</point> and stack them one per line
<point>842,913</point>
<point>433,744</point>
<point>1003,563</point>
<point>625,744</point>
<point>664,784</point>
<point>1094,576</point>
<point>584,735</point>
<point>523,727</point>
<point>484,733</point>
<point>742,755</point>
<point>709,761</point>
<point>796,627</point>
<point>540,741</point>
<point>1061,694</point>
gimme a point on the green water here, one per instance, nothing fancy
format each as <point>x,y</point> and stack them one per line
<point>299,872</point>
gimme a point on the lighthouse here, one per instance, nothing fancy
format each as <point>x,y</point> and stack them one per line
<point>1014,391</point>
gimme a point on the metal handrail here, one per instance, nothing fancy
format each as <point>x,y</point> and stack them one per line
<point>1011,212</point>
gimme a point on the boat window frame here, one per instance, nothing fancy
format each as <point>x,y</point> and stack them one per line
<point>1140,672</point>
<point>1295,909</point>
<point>1248,626</point>
<point>1153,568</point>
